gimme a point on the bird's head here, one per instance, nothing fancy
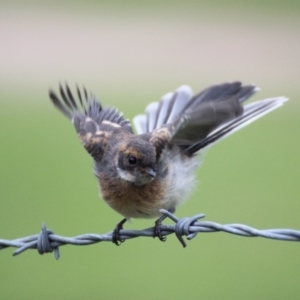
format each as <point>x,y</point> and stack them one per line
<point>136,161</point>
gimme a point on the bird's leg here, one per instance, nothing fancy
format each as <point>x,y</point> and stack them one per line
<point>116,233</point>
<point>157,227</point>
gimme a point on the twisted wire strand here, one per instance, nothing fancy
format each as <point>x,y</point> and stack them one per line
<point>47,241</point>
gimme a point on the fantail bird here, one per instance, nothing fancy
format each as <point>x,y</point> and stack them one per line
<point>139,174</point>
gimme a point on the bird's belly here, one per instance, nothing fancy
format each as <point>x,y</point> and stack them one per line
<point>145,201</point>
<point>133,201</point>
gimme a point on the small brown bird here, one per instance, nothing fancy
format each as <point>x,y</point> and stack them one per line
<point>139,174</point>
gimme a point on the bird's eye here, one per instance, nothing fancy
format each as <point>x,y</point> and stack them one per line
<point>132,160</point>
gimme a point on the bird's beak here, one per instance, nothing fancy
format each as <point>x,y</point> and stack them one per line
<point>150,172</point>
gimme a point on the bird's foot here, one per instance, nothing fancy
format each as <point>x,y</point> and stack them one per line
<point>116,233</point>
<point>157,229</point>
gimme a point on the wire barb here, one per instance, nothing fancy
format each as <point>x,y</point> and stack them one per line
<point>46,241</point>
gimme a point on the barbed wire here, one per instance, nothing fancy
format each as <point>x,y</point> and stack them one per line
<point>47,241</point>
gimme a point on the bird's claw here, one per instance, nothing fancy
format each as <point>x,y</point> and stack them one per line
<point>157,231</point>
<point>116,237</point>
<point>116,233</point>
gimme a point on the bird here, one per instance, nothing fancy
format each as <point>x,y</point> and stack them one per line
<point>139,174</point>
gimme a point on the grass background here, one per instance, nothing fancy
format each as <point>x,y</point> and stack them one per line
<point>129,54</point>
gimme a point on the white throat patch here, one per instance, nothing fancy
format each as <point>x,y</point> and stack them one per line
<point>126,175</point>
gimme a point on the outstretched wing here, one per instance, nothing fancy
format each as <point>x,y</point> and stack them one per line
<point>93,123</point>
<point>194,122</point>
<point>175,104</point>
<point>252,112</point>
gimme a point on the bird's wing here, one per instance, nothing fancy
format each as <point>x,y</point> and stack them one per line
<point>163,112</point>
<point>194,122</point>
<point>93,123</point>
<point>174,104</point>
<point>252,112</point>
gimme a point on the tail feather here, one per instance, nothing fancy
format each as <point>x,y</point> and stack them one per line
<point>175,104</point>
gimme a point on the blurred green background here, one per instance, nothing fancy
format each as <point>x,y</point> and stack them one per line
<point>130,53</point>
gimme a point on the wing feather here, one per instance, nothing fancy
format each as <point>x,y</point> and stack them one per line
<point>93,123</point>
<point>252,112</point>
<point>195,122</point>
